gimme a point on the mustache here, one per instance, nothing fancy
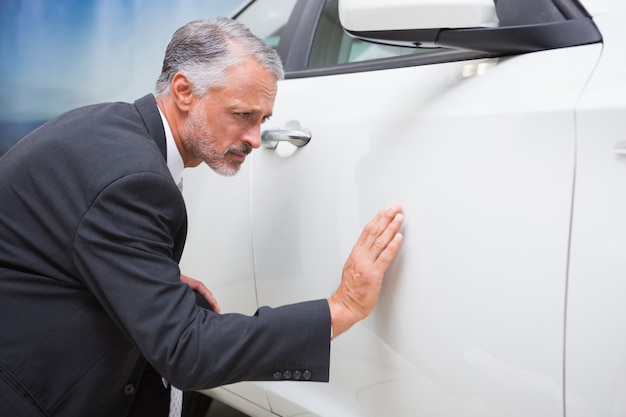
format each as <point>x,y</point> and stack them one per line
<point>244,149</point>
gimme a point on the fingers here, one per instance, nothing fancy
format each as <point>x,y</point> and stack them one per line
<point>200,288</point>
<point>212,301</point>
<point>390,251</point>
<point>380,238</point>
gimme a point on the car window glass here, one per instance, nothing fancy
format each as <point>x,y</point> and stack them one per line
<point>332,45</point>
<point>267,18</point>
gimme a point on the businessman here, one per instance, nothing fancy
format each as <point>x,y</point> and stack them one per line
<point>95,317</point>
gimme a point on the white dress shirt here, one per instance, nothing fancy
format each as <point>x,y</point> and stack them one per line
<point>174,160</point>
<point>176,165</point>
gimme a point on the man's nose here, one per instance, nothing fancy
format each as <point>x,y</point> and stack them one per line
<point>253,137</point>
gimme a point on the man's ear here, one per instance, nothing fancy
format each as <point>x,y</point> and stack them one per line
<point>182,92</point>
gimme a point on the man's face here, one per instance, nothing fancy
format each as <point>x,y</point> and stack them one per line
<point>225,125</point>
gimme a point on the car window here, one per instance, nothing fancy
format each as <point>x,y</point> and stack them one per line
<point>267,19</point>
<point>332,45</point>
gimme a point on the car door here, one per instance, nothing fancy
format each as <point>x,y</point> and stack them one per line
<point>480,150</point>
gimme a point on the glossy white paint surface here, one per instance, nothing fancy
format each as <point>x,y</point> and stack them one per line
<point>597,8</point>
<point>219,248</point>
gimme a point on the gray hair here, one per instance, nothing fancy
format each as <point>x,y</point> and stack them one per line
<point>203,50</point>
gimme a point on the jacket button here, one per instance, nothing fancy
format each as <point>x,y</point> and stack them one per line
<point>277,376</point>
<point>306,375</point>
<point>129,389</point>
<point>297,375</point>
<point>287,374</point>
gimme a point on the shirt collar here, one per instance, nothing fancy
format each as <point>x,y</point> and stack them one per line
<point>174,160</point>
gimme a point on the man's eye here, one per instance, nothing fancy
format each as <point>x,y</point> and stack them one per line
<point>244,115</point>
<point>265,119</point>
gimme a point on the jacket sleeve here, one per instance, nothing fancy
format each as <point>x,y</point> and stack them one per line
<point>123,252</point>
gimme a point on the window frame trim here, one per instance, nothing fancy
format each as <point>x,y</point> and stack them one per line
<point>404,61</point>
<point>296,41</point>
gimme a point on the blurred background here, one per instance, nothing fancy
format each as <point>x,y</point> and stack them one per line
<point>61,54</point>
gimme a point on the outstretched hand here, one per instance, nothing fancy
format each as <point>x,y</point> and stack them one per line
<point>365,268</point>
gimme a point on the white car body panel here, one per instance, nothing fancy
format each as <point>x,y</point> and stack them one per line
<point>597,8</point>
<point>220,209</point>
<point>505,295</point>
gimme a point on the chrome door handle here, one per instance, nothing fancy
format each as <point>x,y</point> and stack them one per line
<point>297,137</point>
<point>620,148</point>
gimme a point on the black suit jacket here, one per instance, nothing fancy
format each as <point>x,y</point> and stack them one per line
<point>92,228</point>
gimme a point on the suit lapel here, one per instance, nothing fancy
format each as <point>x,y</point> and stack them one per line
<point>150,113</point>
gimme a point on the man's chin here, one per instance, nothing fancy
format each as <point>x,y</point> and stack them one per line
<point>230,173</point>
<point>225,170</point>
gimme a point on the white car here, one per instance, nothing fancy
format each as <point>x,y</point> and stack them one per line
<point>501,128</point>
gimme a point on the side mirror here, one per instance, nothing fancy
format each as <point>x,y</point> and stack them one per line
<point>459,24</point>
<point>395,15</point>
